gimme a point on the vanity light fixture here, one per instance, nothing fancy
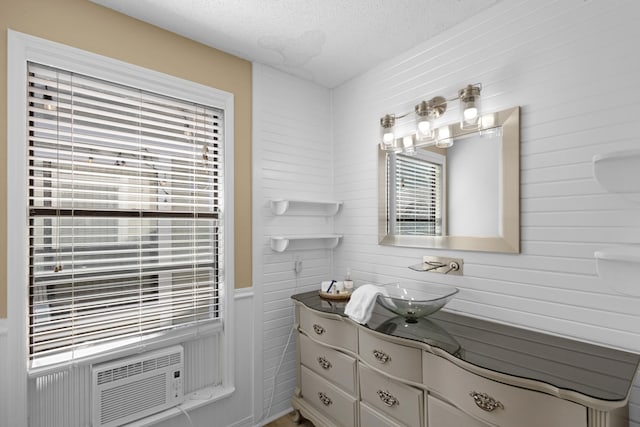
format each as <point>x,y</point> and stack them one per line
<point>470,106</point>
<point>387,134</point>
<point>426,113</point>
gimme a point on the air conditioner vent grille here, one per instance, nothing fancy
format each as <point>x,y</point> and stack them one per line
<point>134,368</point>
<point>129,370</point>
<point>148,365</point>
<point>132,398</point>
<point>175,359</point>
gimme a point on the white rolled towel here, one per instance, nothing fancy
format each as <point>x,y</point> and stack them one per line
<point>362,301</point>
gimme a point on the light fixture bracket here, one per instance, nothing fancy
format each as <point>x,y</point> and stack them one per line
<point>388,121</point>
<point>433,108</point>
<point>469,93</point>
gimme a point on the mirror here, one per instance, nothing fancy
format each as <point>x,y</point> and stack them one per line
<point>465,197</point>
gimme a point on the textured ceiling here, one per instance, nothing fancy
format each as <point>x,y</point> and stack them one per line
<point>326,41</point>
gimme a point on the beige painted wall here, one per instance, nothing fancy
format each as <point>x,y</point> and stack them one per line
<point>84,25</point>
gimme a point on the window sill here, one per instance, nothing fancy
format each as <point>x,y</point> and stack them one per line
<point>197,399</point>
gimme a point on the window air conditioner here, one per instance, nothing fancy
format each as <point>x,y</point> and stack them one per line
<point>131,388</point>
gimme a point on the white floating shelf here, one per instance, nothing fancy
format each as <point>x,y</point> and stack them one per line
<point>619,267</point>
<point>619,172</point>
<point>316,241</point>
<point>304,207</point>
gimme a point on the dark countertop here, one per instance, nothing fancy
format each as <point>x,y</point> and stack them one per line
<point>599,372</point>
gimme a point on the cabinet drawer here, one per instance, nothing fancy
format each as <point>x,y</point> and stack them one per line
<point>333,331</point>
<point>369,417</point>
<point>441,414</point>
<point>327,398</point>
<point>397,400</point>
<point>517,406</point>
<point>329,363</point>
<point>395,359</point>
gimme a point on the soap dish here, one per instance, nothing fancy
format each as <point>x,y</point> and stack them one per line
<point>344,295</point>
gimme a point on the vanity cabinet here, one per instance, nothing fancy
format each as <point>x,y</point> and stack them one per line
<point>327,369</point>
<point>441,414</point>
<point>334,331</point>
<point>395,360</point>
<point>442,373</point>
<point>333,365</point>
<point>371,418</point>
<point>393,398</point>
<point>328,399</point>
<point>497,403</point>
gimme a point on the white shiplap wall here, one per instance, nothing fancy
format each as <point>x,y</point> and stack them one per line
<point>570,65</point>
<point>292,158</point>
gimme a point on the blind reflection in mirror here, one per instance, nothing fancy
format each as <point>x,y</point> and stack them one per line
<point>415,205</point>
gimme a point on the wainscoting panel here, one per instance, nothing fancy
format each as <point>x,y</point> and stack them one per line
<point>4,348</point>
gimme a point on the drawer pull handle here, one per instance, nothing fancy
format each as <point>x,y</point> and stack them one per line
<point>387,398</point>
<point>324,363</point>
<point>381,356</point>
<point>485,402</point>
<point>318,329</point>
<point>326,400</point>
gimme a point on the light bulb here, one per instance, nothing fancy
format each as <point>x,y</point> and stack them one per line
<point>471,114</point>
<point>444,143</point>
<point>424,128</point>
<point>388,138</point>
<point>409,146</point>
<point>444,139</point>
<point>488,121</point>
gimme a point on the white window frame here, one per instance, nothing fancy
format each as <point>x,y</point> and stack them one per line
<point>21,49</point>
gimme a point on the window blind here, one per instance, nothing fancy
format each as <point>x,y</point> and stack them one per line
<point>125,199</point>
<point>417,196</point>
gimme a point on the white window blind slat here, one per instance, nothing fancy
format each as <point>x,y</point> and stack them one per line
<point>125,196</point>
